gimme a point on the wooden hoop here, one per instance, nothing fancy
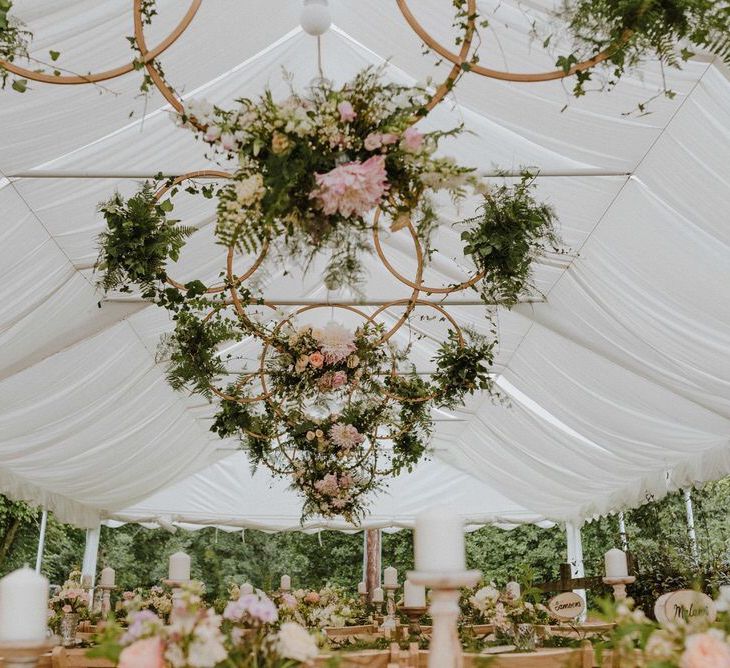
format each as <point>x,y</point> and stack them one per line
<point>97,77</point>
<point>458,60</point>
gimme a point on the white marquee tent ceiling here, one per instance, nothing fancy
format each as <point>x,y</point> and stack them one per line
<point>619,379</point>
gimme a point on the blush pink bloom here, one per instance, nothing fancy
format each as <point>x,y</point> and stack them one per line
<point>316,359</point>
<point>148,653</point>
<point>289,601</point>
<point>312,597</point>
<point>353,188</point>
<point>706,650</point>
<point>328,485</point>
<point>66,609</point>
<point>339,378</point>
<point>347,113</point>
<point>345,436</point>
<point>412,140</point>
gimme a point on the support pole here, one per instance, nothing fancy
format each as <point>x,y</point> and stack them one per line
<point>41,541</point>
<point>622,532</point>
<point>91,555</point>
<point>575,557</point>
<point>373,557</point>
<point>694,548</point>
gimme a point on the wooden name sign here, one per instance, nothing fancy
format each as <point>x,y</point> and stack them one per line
<point>685,605</point>
<point>567,605</point>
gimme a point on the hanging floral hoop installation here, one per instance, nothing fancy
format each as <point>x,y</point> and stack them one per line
<point>337,407</point>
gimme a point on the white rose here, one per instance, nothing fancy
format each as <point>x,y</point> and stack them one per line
<point>293,642</point>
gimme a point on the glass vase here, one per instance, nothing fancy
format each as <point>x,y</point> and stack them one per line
<point>69,625</point>
<point>525,637</point>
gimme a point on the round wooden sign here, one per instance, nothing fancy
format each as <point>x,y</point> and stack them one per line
<point>685,605</point>
<point>567,605</point>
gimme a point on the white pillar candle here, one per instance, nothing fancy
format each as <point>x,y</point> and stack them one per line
<point>108,577</point>
<point>390,577</point>
<point>414,596</point>
<point>285,583</point>
<point>179,567</point>
<point>378,596</point>
<point>513,590</point>
<point>23,607</point>
<point>362,588</point>
<point>616,565</point>
<point>245,589</point>
<point>439,541</point>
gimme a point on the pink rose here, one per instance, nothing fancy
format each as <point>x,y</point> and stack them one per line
<point>72,595</point>
<point>128,595</point>
<point>412,140</point>
<point>289,601</point>
<point>228,141</point>
<point>339,378</point>
<point>347,113</point>
<point>316,359</point>
<point>148,653</point>
<point>312,597</point>
<point>388,138</point>
<point>706,650</point>
<point>67,609</point>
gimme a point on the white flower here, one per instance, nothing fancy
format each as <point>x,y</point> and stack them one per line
<point>336,342</point>
<point>293,642</point>
<point>250,190</point>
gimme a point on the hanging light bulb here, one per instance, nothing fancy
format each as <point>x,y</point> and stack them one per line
<point>315,18</point>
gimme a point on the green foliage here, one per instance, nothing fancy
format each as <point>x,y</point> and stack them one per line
<point>138,241</point>
<point>463,369</point>
<point>633,30</point>
<point>512,230</point>
<point>192,352</point>
<point>14,41</point>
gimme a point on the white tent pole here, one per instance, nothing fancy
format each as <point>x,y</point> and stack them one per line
<point>91,555</point>
<point>622,532</point>
<point>691,526</point>
<point>41,541</point>
<point>575,556</point>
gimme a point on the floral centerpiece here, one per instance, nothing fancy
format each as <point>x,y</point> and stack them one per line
<point>643,643</point>
<point>247,635</point>
<point>328,607</point>
<point>67,607</point>
<point>156,599</point>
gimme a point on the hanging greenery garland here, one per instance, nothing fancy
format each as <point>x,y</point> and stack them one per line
<point>14,41</point>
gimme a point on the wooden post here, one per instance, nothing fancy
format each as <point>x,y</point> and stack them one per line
<point>373,556</point>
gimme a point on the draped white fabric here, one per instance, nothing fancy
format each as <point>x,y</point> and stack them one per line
<point>619,378</point>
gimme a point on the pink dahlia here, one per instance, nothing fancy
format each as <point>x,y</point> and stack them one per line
<point>336,342</point>
<point>353,188</point>
<point>346,436</point>
<point>328,485</point>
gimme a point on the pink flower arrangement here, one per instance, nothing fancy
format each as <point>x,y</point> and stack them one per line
<point>147,653</point>
<point>706,650</point>
<point>353,188</point>
<point>251,607</point>
<point>347,113</point>
<point>312,597</point>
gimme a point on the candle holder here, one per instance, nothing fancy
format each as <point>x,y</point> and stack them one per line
<point>445,648</point>
<point>414,619</point>
<point>619,586</point>
<point>390,622</point>
<point>176,586</point>
<point>24,654</point>
<point>106,599</point>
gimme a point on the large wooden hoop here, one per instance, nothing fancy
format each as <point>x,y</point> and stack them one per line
<point>417,285</point>
<point>458,60</point>
<point>97,77</point>
<point>209,174</point>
